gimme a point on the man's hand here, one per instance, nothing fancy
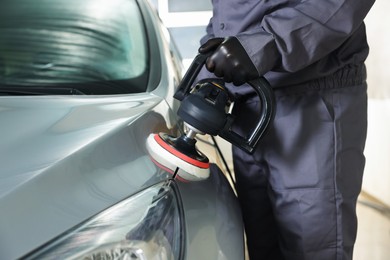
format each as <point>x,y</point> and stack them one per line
<point>229,60</point>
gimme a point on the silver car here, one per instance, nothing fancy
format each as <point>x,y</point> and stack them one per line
<point>82,85</point>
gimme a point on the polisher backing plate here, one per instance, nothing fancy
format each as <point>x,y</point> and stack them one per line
<point>171,160</point>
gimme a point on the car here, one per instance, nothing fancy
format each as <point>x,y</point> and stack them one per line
<point>82,86</point>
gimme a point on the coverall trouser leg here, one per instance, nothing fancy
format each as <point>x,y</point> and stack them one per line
<point>298,191</point>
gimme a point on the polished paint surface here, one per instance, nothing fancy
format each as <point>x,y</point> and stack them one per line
<point>64,159</point>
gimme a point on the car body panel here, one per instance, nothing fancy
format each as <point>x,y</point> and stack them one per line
<point>64,159</point>
<point>213,205</point>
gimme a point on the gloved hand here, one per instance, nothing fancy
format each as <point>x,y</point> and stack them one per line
<point>229,60</point>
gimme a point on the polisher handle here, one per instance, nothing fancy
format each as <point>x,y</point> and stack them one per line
<point>263,90</point>
<point>266,95</point>
<point>189,77</point>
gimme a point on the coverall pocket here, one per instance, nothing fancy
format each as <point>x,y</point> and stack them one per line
<point>301,153</point>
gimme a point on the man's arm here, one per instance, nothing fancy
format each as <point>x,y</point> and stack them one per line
<point>209,33</point>
<point>303,34</point>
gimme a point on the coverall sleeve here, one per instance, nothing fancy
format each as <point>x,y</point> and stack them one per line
<point>295,36</point>
<point>209,33</point>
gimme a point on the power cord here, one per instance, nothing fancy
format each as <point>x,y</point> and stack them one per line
<point>373,203</point>
<point>223,160</point>
<point>221,156</point>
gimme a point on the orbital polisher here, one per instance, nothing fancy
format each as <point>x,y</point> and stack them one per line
<point>204,109</point>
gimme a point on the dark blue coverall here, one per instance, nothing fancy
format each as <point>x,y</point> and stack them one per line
<point>298,191</point>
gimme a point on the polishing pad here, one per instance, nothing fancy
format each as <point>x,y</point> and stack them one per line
<point>166,155</point>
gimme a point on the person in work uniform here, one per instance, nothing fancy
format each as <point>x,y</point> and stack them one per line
<point>299,189</point>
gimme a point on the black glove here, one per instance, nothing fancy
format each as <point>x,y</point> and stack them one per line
<point>229,60</point>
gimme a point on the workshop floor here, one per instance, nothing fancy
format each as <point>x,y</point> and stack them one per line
<point>373,240</point>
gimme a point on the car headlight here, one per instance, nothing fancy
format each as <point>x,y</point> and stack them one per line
<point>147,225</point>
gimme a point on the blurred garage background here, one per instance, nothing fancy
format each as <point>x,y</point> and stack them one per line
<point>187,19</point>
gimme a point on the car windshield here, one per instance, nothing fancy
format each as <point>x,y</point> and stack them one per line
<point>92,46</point>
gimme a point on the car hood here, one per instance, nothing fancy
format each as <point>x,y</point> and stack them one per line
<point>64,159</point>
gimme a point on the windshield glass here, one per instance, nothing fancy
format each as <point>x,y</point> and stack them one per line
<point>94,46</point>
